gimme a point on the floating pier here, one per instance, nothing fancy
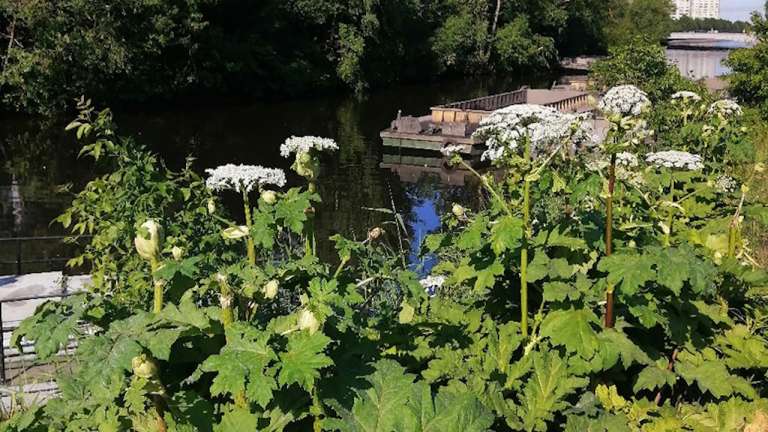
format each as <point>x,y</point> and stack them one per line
<point>454,123</point>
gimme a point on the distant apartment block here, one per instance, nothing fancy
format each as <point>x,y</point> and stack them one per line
<point>697,8</point>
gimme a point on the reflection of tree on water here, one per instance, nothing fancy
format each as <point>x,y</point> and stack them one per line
<point>352,181</point>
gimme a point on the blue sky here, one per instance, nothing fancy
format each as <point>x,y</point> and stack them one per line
<point>739,9</point>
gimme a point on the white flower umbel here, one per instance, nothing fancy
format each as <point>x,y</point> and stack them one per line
<point>451,150</point>
<point>725,108</point>
<point>686,96</point>
<point>726,184</point>
<point>304,144</point>
<point>627,159</point>
<point>675,159</point>
<point>505,130</point>
<point>624,100</point>
<point>432,283</point>
<point>243,178</point>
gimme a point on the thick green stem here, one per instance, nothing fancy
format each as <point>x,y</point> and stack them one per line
<point>671,215</point>
<point>249,223</point>
<point>317,410</point>
<point>310,247</point>
<point>524,251</point>
<point>609,301</point>
<point>226,299</point>
<point>158,287</point>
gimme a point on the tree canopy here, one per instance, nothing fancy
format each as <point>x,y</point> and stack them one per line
<point>138,50</point>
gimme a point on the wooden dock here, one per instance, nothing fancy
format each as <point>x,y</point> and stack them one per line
<point>454,123</point>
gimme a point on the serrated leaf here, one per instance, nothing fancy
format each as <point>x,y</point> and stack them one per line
<point>304,358</point>
<point>654,377</point>
<point>506,235</point>
<point>572,329</point>
<point>448,412</point>
<point>378,408</point>
<point>239,419</point>
<point>710,374</point>
<point>241,366</point>
<point>630,271</point>
<point>545,392</point>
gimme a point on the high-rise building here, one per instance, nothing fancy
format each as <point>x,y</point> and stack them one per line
<point>697,8</point>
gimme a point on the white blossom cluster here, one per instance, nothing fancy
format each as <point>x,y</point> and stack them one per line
<point>627,159</point>
<point>687,96</point>
<point>506,129</point>
<point>432,283</point>
<point>726,184</point>
<point>243,177</point>
<point>304,144</point>
<point>451,150</point>
<point>676,159</point>
<point>725,108</point>
<point>624,100</point>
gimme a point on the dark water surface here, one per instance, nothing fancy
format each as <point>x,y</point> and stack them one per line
<point>38,156</point>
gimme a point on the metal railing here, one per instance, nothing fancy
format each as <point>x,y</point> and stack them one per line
<point>18,243</point>
<point>20,352</point>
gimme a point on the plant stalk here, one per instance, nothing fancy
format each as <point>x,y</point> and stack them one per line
<point>671,216</point>
<point>609,301</point>
<point>310,247</point>
<point>249,223</point>
<point>524,249</point>
<point>158,287</point>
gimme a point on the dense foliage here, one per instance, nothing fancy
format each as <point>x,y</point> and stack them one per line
<point>749,77</point>
<point>135,50</point>
<point>599,290</point>
<point>644,63</point>
<point>687,24</point>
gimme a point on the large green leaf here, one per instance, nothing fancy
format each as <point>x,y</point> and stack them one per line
<point>448,412</point>
<point>304,358</point>
<point>545,391</point>
<point>379,408</point>
<point>573,329</point>
<point>241,366</point>
<point>710,374</point>
<point>630,271</point>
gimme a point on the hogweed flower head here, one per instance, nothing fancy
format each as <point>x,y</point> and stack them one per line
<point>451,150</point>
<point>307,321</point>
<point>725,108</point>
<point>243,178</point>
<point>431,284</point>
<point>676,160</point>
<point>686,96</point>
<point>506,130</point>
<point>627,159</point>
<point>269,197</point>
<point>270,289</point>
<point>726,184</point>
<point>624,100</point>
<point>305,144</point>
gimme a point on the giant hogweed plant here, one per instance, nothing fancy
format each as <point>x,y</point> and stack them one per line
<point>278,340</point>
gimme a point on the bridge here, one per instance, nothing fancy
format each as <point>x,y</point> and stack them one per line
<point>711,40</point>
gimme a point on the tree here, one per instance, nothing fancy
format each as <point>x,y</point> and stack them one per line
<point>632,18</point>
<point>749,77</point>
<point>644,63</point>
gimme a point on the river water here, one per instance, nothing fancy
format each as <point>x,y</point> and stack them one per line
<point>38,156</point>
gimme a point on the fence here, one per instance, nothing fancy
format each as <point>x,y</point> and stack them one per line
<point>18,248</point>
<point>18,356</point>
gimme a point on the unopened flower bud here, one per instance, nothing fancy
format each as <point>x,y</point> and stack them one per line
<point>233,233</point>
<point>269,197</point>
<point>144,367</point>
<point>149,247</point>
<point>211,206</point>
<point>375,233</point>
<point>270,289</point>
<point>458,211</point>
<point>307,321</point>
<point>225,301</point>
<point>177,253</point>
